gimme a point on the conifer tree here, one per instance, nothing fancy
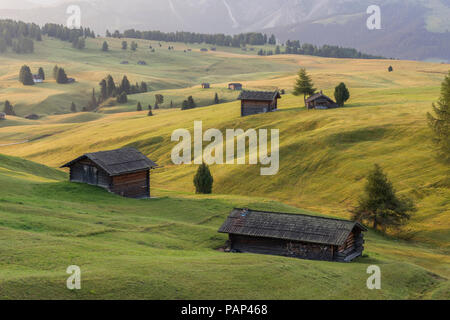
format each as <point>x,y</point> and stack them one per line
<point>439,121</point>
<point>9,110</point>
<point>216,99</point>
<point>203,180</point>
<point>55,72</point>
<point>304,85</point>
<point>62,77</point>
<point>111,86</point>
<point>125,86</point>
<point>380,205</point>
<point>105,46</point>
<point>139,107</point>
<point>73,107</point>
<point>25,76</point>
<point>341,94</point>
<point>41,73</point>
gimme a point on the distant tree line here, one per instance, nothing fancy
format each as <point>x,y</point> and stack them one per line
<point>327,51</point>
<point>238,40</point>
<point>18,36</point>
<point>64,33</point>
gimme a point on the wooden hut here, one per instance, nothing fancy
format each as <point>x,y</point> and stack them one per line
<point>125,171</point>
<point>254,102</point>
<point>206,85</point>
<point>320,101</point>
<point>2,116</point>
<point>294,235</point>
<point>235,86</point>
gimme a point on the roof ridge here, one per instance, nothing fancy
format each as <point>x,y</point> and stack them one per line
<point>297,214</point>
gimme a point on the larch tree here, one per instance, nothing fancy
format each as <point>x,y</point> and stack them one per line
<point>380,205</point>
<point>439,121</point>
<point>203,180</point>
<point>304,85</point>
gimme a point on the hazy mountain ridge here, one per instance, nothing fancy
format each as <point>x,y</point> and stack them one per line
<point>405,30</point>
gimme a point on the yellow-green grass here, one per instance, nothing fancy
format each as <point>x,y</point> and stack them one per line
<point>164,70</point>
<point>325,155</point>
<point>165,248</point>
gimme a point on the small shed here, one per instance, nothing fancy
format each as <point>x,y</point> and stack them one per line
<point>254,102</point>
<point>320,101</point>
<point>204,50</point>
<point>294,235</point>
<point>2,116</point>
<point>206,85</point>
<point>125,171</point>
<point>32,116</point>
<point>37,78</point>
<point>235,86</point>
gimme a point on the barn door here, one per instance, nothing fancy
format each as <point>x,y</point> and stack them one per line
<point>90,174</point>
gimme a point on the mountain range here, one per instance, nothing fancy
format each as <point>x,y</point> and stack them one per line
<point>412,29</point>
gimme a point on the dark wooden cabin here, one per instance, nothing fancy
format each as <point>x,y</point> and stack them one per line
<point>294,235</point>
<point>206,85</point>
<point>320,101</point>
<point>2,116</point>
<point>125,171</point>
<point>254,102</point>
<point>235,86</point>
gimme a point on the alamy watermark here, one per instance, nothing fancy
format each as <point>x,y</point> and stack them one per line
<point>374,281</point>
<point>374,21</point>
<point>235,140</point>
<point>74,20</point>
<point>74,280</point>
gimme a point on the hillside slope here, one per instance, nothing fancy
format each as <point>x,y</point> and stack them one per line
<point>324,155</point>
<point>165,249</point>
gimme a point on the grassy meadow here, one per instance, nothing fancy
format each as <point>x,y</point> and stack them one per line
<point>166,247</point>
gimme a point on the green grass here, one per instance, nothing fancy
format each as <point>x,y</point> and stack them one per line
<point>164,248</point>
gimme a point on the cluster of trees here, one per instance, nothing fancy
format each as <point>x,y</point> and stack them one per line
<point>439,121</point>
<point>19,36</point>
<point>251,38</point>
<point>108,89</point>
<point>25,76</point>
<point>59,74</point>
<point>79,43</point>
<point>64,33</point>
<point>294,47</point>
<point>189,103</point>
<point>9,109</point>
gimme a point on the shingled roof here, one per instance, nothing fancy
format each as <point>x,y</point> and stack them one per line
<point>317,96</point>
<point>295,227</point>
<point>259,95</point>
<point>118,162</point>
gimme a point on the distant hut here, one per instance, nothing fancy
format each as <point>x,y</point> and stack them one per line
<point>142,63</point>
<point>294,235</point>
<point>37,78</point>
<point>32,116</point>
<point>213,49</point>
<point>2,116</point>
<point>320,101</point>
<point>235,86</point>
<point>125,171</point>
<point>254,102</point>
<point>204,50</point>
<point>206,85</point>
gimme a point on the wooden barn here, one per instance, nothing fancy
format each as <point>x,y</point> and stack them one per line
<point>125,172</point>
<point>206,85</point>
<point>254,102</point>
<point>320,101</point>
<point>235,86</point>
<point>294,235</point>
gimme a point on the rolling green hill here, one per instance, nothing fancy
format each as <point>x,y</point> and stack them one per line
<point>165,248</point>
